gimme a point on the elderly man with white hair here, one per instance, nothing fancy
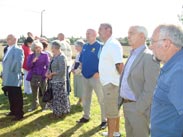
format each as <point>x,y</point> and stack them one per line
<point>38,65</point>
<point>167,105</point>
<point>12,77</point>
<point>137,84</point>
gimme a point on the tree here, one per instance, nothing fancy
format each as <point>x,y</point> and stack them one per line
<point>180,17</point>
<point>123,41</point>
<point>21,39</point>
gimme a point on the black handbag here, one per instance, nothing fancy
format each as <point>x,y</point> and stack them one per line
<point>48,94</point>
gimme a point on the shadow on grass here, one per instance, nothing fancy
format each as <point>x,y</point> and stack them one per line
<point>75,109</point>
<point>90,132</point>
<point>3,102</point>
<point>24,130</point>
<point>71,131</point>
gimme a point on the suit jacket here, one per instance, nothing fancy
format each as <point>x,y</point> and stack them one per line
<point>142,79</point>
<point>12,65</point>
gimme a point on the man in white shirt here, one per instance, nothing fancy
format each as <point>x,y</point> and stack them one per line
<point>110,68</point>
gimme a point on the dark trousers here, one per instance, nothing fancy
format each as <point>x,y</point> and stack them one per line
<point>68,81</point>
<point>16,101</point>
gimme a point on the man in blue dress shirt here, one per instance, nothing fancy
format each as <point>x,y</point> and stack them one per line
<point>167,106</point>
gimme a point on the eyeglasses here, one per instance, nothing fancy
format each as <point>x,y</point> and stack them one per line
<point>155,41</point>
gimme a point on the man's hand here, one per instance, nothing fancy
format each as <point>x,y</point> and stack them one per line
<point>119,67</point>
<point>5,90</point>
<point>96,75</point>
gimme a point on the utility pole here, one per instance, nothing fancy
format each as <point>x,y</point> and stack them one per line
<point>42,22</point>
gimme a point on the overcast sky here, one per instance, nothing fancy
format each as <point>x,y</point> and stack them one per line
<point>73,17</point>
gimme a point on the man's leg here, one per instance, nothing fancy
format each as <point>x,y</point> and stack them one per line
<point>86,98</point>
<point>112,126</point>
<point>96,85</point>
<point>16,101</point>
<point>10,98</point>
<point>136,124</point>
<point>117,124</point>
<point>111,108</point>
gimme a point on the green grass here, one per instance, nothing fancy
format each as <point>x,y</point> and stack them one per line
<point>38,123</point>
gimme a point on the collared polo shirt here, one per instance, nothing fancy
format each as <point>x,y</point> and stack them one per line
<point>90,58</point>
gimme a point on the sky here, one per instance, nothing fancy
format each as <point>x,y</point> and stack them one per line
<point>74,17</point>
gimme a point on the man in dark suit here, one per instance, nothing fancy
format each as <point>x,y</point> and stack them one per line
<point>12,77</point>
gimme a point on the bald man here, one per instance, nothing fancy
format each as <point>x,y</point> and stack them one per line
<point>12,77</point>
<point>89,59</point>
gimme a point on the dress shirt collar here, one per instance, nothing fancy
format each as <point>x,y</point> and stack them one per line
<point>137,50</point>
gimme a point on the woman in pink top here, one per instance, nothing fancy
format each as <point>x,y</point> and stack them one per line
<point>27,51</point>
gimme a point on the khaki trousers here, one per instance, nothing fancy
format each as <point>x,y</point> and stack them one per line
<point>88,86</point>
<point>136,123</point>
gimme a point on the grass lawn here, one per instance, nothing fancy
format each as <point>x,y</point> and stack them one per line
<point>38,123</point>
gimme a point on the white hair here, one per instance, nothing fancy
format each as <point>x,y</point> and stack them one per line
<point>173,33</point>
<point>143,30</point>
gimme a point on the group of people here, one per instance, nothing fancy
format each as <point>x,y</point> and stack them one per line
<point>41,68</point>
<point>151,96</point>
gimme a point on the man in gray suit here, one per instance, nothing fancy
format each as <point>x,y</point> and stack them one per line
<point>137,84</point>
<point>12,77</point>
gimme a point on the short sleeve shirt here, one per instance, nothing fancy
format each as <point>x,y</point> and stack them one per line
<point>111,54</point>
<point>90,58</point>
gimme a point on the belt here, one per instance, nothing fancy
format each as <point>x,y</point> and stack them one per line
<point>127,100</point>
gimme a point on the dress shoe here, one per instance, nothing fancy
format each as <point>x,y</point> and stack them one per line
<point>103,125</point>
<point>83,120</point>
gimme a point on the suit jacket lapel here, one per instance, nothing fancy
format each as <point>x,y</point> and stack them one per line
<point>136,61</point>
<point>10,52</point>
<point>121,77</point>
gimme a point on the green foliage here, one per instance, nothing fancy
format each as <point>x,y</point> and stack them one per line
<point>148,42</point>
<point>21,39</point>
<point>73,40</point>
<point>123,41</point>
<point>51,39</point>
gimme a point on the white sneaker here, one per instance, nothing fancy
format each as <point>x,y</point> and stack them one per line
<point>105,134</point>
<point>115,134</point>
